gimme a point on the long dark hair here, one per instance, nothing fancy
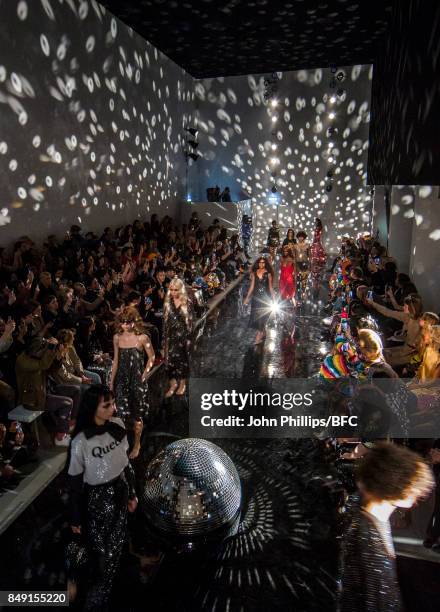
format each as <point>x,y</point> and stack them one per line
<point>318,223</point>
<point>89,404</point>
<point>269,268</point>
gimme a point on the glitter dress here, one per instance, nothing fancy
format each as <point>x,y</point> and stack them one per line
<point>131,394</point>
<point>318,259</point>
<point>260,304</point>
<point>369,579</point>
<point>302,255</point>
<point>319,256</point>
<point>177,336</point>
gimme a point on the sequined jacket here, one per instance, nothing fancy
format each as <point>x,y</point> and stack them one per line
<point>369,579</point>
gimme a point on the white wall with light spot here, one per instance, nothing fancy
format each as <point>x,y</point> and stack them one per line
<point>425,246</point>
<point>91,120</point>
<point>244,140</point>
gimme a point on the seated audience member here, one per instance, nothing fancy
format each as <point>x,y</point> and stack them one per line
<point>31,371</point>
<point>7,393</point>
<point>427,321</point>
<point>410,316</point>
<point>68,369</point>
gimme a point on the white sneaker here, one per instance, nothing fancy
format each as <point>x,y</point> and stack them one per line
<point>64,441</point>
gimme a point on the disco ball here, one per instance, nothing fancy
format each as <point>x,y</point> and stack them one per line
<point>192,493</point>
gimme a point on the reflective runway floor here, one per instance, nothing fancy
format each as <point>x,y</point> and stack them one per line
<point>284,556</point>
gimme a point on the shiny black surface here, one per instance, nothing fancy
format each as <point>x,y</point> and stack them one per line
<point>210,38</point>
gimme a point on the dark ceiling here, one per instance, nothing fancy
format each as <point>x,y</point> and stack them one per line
<point>211,38</point>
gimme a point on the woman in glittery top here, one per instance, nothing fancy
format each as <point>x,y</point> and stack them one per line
<point>101,493</point>
<point>302,258</point>
<point>262,294</point>
<point>178,316</point>
<point>388,477</point>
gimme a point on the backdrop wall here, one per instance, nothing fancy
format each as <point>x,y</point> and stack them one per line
<point>251,146</point>
<point>91,120</point>
<point>425,245</point>
<point>405,130</point>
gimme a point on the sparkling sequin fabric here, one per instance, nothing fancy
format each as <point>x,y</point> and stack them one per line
<point>177,334</point>
<point>131,394</point>
<point>260,304</point>
<point>106,521</point>
<point>369,581</point>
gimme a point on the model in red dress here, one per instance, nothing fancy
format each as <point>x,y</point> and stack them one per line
<point>287,274</point>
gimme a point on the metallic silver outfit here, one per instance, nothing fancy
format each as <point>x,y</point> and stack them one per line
<point>369,580</point>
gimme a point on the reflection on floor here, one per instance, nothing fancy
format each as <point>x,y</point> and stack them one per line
<point>284,556</point>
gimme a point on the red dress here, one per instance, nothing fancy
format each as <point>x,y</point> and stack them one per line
<point>287,281</point>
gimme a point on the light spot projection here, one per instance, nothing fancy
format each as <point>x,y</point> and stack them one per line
<point>298,153</point>
<point>405,129</point>
<point>91,119</point>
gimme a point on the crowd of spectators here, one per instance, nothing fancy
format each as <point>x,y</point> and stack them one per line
<point>384,366</point>
<point>60,303</point>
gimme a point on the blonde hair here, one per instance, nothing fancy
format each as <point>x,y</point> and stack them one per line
<point>370,341</point>
<point>66,337</point>
<point>431,356</point>
<point>430,318</point>
<point>177,283</point>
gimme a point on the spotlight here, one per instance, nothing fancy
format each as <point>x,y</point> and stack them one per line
<point>330,159</point>
<point>274,160</point>
<point>331,115</point>
<point>274,147</point>
<point>331,145</point>
<point>275,307</point>
<point>273,103</point>
<point>274,119</point>
<point>332,99</point>
<point>192,131</point>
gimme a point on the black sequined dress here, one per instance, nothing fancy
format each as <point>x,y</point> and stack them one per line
<point>131,394</point>
<point>260,303</point>
<point>369,579</point>
<point>177,336</point>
